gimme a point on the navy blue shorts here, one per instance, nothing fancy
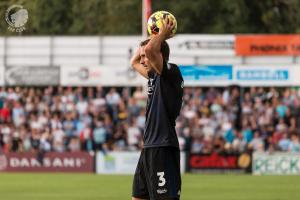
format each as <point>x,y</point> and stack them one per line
<point>157,175</point>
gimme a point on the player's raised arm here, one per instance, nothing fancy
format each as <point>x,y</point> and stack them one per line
<point>136,63</point>
<point>152,49</point>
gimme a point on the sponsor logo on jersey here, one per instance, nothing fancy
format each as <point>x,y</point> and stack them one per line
<point>150,86</point>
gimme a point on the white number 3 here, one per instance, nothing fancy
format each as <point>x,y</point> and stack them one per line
<point>162,180</point>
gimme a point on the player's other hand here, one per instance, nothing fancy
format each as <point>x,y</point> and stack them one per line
<point>166,27</point>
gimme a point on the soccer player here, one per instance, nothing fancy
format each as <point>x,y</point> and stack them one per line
<point>157,175</point>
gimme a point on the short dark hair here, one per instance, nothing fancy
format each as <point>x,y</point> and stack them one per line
<point>164,48</point>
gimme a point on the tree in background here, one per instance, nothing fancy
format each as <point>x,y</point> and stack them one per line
<point>123,17</point>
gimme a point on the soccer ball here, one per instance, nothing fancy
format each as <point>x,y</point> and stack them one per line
<point>154,22</point>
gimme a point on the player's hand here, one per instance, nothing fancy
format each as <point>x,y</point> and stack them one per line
<point>166,27</point>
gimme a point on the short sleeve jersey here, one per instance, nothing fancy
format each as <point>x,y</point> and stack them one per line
<point>164,102</point>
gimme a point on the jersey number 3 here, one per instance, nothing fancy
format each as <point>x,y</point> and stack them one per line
<point>161,178</point>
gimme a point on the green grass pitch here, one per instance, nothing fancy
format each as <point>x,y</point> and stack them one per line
<point>55,186</point>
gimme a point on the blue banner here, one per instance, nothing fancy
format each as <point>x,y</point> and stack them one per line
<point>262,74</point>
<point>206,72</point>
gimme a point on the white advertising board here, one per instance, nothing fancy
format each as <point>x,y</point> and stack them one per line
<point>276,164</point>
<point>123,162</point>
<point>100,75</point>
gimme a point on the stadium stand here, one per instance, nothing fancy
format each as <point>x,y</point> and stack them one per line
<point>95,118</point>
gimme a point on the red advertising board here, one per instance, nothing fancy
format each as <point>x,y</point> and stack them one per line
<point>259,45</point>
<point>49,162</point>
<point>219,162</point>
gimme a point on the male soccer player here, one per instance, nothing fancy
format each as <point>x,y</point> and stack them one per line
<point>157,175</point>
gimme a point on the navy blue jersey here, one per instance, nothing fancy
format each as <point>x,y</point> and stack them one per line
<point>164,102</point>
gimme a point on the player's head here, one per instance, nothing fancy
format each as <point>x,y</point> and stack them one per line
<point>164,49</point>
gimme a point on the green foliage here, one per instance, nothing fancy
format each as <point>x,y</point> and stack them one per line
<point>123,17</point>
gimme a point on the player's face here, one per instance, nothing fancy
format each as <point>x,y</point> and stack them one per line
<point>144,60</point>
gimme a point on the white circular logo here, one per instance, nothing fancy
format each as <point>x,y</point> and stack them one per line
<point>16,17</point>
<point>3,162</point>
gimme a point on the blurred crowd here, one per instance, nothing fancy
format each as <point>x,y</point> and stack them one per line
<point>240,119</point>
<point>89,119</point>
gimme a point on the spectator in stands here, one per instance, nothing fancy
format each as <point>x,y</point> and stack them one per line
<point>86,138</point>
<point>58,136</point>
<point>256,143</point>
<point>5,114</point>
<point>134,135</point>
<point>100,136</point>
<point>294,146</point>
